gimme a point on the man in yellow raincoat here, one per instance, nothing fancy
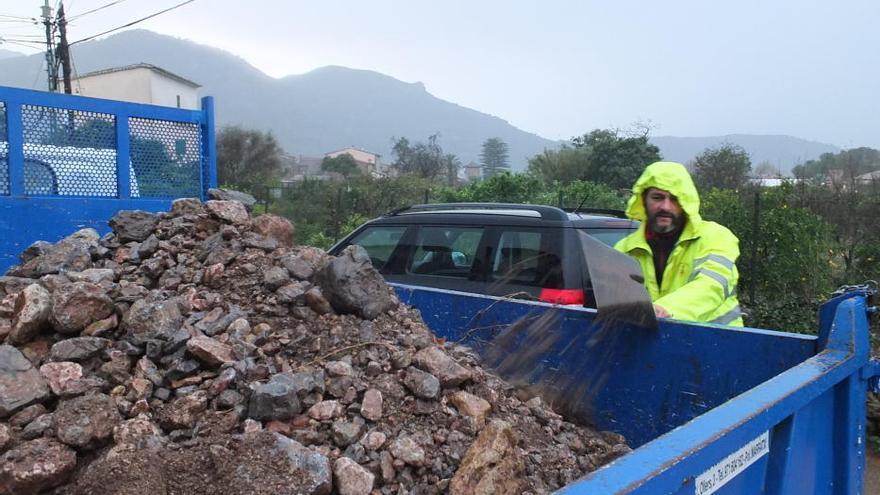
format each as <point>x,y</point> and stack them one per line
<point>689,263</point>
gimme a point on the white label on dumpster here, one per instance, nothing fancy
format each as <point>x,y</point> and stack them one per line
<point>718,475</point>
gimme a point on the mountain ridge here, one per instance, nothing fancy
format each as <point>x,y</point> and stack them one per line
<point>333,107</point>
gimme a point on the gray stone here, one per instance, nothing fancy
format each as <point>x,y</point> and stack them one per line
<point>276,399</point>
<point>352,479</point>
<point>73,253</point>
<point>86,422</point>
<point>187,206</point>
<point>35,466</point>
<point>20,383</point>
<point>351,284</point>
<point>150,320</point>
<point>298,268</point>
<point>407,450</point>
<point>30,314</point>
<point>257,241</point>
<point>275,277</point>
<point>422,384</point>
<point>38,427</point>
<point>228,399</point>
<point>78,348</point>
<point>229,195</point>
<point>133,225</point>
<point>76,305</point>
<point>345,433</point>
<point>148,247</point>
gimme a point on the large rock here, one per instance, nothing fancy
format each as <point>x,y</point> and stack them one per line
<point>77,348</point>
<point>35,466</point>
<point>209,351</point>
<point>435,361</point>
<point>76,305</point>
<point>229,195</point>
<point>352,285</point>
<point>490,466</point>
<point>151,320</point>
<point>20,383</point>
<point>276,399</point>
<point>31,314</point>
<point>73,253</point>
<point>229,211</point>
<point>59,375</point>
<point>133,225</point>
<point>421,384</point>
<point>406,449</point>
<point>274,227</point>
<point>351,478</point>
<point>86,422</point>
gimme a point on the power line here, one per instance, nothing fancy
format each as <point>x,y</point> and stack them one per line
<point>18,17</point>
<point>94,10</point>
<point>132,23</point>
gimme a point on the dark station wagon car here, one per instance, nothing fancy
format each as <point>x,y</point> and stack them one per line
<point>513,250</point>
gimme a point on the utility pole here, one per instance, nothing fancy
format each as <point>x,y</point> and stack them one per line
<point>64,49</point>
<point>50,47</point>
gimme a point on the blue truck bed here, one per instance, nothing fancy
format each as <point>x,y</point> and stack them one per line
<point>708,409</point>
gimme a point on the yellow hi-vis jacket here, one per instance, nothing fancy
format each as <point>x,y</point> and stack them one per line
<point>699,281</point>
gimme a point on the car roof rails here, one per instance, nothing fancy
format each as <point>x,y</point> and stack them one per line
<point>611,212</point>
<point>546,212</point>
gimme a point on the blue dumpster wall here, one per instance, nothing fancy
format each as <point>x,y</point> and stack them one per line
<point>70,162</point>
<point>637,383</point>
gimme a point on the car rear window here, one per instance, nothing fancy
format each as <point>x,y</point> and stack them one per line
<point>379,242</point>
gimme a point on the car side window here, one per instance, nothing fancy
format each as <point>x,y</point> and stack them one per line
<point>379,242</point>
<point>445,251</point>
<point>525,258</point>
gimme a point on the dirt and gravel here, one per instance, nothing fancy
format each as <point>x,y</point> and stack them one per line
<point>199,351</point>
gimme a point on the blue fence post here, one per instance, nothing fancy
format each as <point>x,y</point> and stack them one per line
<point>123,157</point>
<point>16,148</point>
<point>210,144</point>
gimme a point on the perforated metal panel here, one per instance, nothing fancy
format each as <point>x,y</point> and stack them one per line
<point>69,152</point>
<point>4,147</point>
<point>166,158</point>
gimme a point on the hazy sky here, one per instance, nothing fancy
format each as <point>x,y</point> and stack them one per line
<point>807,68</point>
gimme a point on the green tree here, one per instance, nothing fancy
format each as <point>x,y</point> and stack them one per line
<point>494,156</point>
<point>424,160</point>
<point>247,158</point>
<point>344,165</point>
<point>724,167</point>
<point>852,162</point>
<point>603,156</point>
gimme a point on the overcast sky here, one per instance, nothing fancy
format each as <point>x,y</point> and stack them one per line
<point>807,68</point>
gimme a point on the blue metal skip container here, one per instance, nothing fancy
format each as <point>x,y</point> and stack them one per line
<point>707,409</point>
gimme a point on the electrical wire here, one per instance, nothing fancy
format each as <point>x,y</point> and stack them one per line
<point>132,23</point>
<point>95,10</point>
<point>18,17</point>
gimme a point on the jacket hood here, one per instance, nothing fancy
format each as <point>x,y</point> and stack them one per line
<point>671,177</point>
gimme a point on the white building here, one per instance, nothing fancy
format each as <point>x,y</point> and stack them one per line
<point>139,83</point>
<point>367,162</point>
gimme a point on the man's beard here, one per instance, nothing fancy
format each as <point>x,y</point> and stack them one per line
<point>675,224</point>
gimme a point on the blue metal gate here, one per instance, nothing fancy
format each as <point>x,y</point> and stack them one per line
<point>69,162</point>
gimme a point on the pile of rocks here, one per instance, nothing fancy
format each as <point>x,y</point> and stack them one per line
<point>198,351</point>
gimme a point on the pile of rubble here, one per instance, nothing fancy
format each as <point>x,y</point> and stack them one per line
<point>199,352</point>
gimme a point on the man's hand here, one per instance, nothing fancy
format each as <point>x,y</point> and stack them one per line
<point>661,312</point>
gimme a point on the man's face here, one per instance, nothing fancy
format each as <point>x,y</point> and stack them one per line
<point>664,213</point>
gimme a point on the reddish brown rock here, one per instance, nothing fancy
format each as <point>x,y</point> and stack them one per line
<point>435,361</point>
<point>229,211</point>
<point>59,374</point>
<point>35,466</point>
<point>471,405</point>
<point>371,406</point>
<point>210,351</point>
<point>350,478</point>
<point>86,422</point>
<point>274,227</point>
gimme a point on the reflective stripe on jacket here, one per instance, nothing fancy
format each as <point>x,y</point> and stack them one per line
<point>699,281</point>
